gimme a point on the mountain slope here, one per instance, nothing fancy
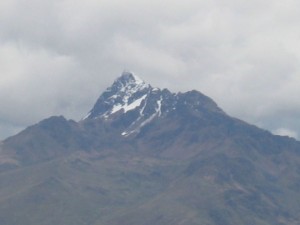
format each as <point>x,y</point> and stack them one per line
<point>144,155</point>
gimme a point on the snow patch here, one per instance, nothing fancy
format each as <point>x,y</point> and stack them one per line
<point>147,120</point>
<point>137,130</point>
<point>128,133</point>
<point>113,97</point>
<point>134,104</point>
<point>158,110</point>
<point>87,116</point>
<point>127,107</point>
<point>143,109</point>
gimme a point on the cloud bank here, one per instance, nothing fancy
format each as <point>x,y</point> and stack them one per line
<point>57,56</point>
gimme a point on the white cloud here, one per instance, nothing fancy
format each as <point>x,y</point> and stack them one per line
<point>286,132</point>
<point>244,54</point>
<point>133,53</point>
<point>36,83</point>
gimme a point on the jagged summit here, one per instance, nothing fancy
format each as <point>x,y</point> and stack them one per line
<point>130,77</point>
<point>131,103</point>
<point>128,82</point>
<point>125,94</point>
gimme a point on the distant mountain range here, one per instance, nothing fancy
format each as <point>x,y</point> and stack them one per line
<point>147,156</point>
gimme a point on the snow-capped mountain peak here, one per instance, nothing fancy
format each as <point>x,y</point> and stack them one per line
<point>126,93</point>
<point>128,82</point>
<point>131,77</point>
<point>131,104</point>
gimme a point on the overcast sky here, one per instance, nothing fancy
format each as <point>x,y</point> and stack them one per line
<point>56,57</point>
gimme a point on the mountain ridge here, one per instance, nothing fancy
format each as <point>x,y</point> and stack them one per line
<point>131,94</point>
<point>144,155</point>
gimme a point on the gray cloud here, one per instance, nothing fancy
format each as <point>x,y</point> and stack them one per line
<point>57,56</point>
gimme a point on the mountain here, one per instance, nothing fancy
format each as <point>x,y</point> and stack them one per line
<point>145,155</point>
<point>131,104</point>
